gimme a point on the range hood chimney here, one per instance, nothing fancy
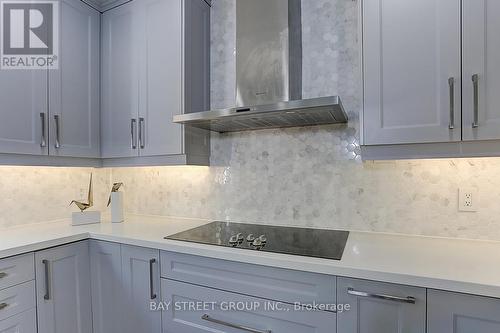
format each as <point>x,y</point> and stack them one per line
<point>268,74</point>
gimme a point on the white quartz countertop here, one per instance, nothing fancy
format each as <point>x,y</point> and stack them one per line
<point>466,266</point>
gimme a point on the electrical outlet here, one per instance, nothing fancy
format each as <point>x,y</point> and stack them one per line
<point>467,200</point>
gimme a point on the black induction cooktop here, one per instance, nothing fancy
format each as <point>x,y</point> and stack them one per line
<point>318,243</point>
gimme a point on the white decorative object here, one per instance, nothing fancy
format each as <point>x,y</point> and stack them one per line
<point>86,217</point>
<point>117,215</point>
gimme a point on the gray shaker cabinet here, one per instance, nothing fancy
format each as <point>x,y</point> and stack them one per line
<point>458,313</point>
<point>141,286</point>
<point>107,286</point>
<point>412,71</point>
<point>155,65</point>
<point>377,307</point>
<point>74,87</point>
<point>63,289</point>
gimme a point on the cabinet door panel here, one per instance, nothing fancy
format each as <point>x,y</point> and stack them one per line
<point>161,76</point>
<point>139,286</point>
<point>376,315</point>
<point>481,49</point>
<point>120,85</point>
<point>457,313</point>
<point>21,323</point>
<point>63,289</point>
<point>74,87</point>
<point>24,98</point>
<point>411,50</point>
<point>106,278</point>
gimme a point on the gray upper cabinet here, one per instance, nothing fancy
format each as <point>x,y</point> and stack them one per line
<point>141,285</point>
<point>149,76</point>
<point>481,69</point>
<point>74,87</point>
<point>458,313</point>
<point>107,288</point>
<point>380,307</point>
<point>120,85</point>
<point>63,289</point>
<point>412,71</point>
<point>24,112</point>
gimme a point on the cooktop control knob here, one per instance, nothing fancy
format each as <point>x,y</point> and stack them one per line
<point>257,244</point>
<point>239,237</point>
<point>263,239</point>
<point>233,241</point>
<point>250,238</point>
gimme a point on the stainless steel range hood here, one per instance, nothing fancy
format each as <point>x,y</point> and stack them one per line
<point>268,74</point>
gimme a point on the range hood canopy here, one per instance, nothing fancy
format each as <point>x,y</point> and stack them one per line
<point>268,74</point>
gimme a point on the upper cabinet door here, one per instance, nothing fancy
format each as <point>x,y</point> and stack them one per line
<point>120,84</point>
<point>412,66</point>
<point>481,69</point>
<point>74,87</point>
<point>161,76</point>
<point>23,112</point>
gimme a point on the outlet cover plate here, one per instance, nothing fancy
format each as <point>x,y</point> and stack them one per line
<point>468,199</point>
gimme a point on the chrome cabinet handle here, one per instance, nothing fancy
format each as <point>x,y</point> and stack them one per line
<point>3,306</point>
<point>451,83</point>
<point>236,326</point>
<point>133,133</point>
<point>475,81</point>
<point>2,275</point>
<point>47,280</point>
<point>43,141</point>
<point>151,279</point>
<point>408,299</point>
<point>58,141</point>
<point>142,133</point>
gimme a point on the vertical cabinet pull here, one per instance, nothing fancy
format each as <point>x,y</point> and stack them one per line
<point>57,145</point>
<point>151,279</point>
<point>133,133</point>
<point>142,133</point>
<point>451,83</point>
<point>475,81</point>
<point>47,280</point>
<point>43,140</point>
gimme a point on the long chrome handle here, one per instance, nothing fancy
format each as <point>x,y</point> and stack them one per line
<point>151,279</point>
<point>451,83</point>
<point>236,326</point>
<point>57,145</point>
<point>2,275</point>
<point>47,280</point>
<point>43,140</point>
<point>142,133</point>
<point>3,306</point>
<point>475,81</point>
<point>133,132</point>
<point>408,299</point>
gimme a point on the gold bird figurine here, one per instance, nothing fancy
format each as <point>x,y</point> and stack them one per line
<point>82,205</point>
<point>115,188</point>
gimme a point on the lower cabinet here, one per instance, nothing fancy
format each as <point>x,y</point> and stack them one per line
<point>107,287</point>
<point>458,313</point>
<point>195,309</point>
<point>380,307</point>
<point>125,279</point>
<point>63,289</point>
<point>21,323</point>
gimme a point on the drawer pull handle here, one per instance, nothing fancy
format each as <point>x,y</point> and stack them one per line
<point>236,326</point>
<point>3,306</point>
<point>2,275</point>
<point>408,299</point>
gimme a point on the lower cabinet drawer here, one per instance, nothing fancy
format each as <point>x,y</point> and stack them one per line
<point>193,309</point>
<point>21,323</point>
<point>16,270</point>
<point>17,299</point>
